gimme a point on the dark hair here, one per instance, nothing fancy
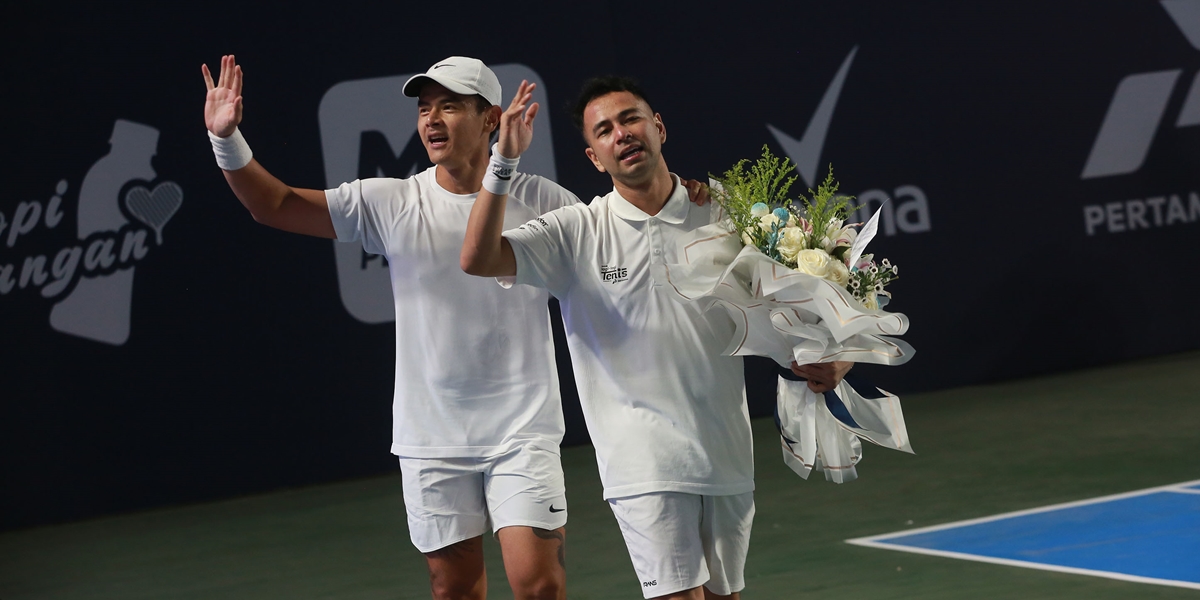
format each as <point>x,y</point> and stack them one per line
<point>481,103</point>
<point>600,86</point>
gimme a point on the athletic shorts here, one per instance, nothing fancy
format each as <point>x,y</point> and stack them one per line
<point>679,541</point>
<point>449,500</point>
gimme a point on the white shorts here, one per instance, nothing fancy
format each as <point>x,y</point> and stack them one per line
<point>449,500</point>
<point>679,541</point>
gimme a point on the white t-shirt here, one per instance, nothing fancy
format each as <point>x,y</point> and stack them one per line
<point>475,365</point>
<point>665,410</point>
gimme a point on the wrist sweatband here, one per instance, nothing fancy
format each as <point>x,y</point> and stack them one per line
<point>500,172</point>
<point>232,152</point>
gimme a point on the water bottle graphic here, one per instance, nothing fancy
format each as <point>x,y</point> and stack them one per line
<point>99,308</point>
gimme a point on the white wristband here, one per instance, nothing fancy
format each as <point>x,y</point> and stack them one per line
<point>232,152</point>
<point>500,171</point>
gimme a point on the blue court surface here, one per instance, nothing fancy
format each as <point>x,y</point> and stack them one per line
<point>1147,536</point>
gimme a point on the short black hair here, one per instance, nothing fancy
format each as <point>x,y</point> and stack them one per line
<point>481,103</point>
<point>600,86</point>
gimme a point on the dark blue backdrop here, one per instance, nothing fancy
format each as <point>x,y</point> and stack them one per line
<point>1041,160</point>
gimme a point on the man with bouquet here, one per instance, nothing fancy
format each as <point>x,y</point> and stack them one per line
<point>666,412</point>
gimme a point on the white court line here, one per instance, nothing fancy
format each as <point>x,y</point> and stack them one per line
<point>877,541</point>
<point>1028,565</point>
<point>1031,511</point>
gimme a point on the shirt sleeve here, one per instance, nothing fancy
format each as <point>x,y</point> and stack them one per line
<point>356,210</point>
<point>542,195</point>
<point>545,250</point>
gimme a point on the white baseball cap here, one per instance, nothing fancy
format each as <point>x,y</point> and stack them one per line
<point>461,75</point>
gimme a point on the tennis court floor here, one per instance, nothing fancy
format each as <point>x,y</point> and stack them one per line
<point>1075,474</point>
<point>1147,536</point>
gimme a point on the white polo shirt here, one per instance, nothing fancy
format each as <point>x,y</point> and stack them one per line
<point>665,410</point>
<point>475,369</point>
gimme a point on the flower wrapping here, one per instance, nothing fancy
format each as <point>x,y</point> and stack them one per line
<point>779,312</point>
<point>825,307</point>
<point>822,431</point>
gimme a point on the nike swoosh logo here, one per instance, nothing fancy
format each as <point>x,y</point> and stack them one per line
<point>445,65</point>
<point>556,510</point>
<point>806,152</point>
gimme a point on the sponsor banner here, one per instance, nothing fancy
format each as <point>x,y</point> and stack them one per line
<point>160,350</point>
<point>119,215</point>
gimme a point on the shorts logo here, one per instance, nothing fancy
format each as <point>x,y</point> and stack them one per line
<point>613,274</point>
<point>556,510</point>
<point>651,583</point>
<point>908,211</point>
<point>369,129</point>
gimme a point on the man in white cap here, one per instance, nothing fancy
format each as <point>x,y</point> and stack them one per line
<point>477,418</point>
<point>667,414</point>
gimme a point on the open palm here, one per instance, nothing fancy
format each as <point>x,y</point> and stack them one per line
<point>516,124</point>
<point>223,104</point>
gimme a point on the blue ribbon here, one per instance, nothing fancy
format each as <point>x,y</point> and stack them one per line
<point>838,408</point>
<point>834,403</point>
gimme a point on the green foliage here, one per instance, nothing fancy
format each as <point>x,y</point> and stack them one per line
<point>825,210</point>
<point>766,181</point>
<point>820,217</point>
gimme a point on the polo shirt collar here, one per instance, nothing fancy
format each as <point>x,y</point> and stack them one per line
<point>674,211</point>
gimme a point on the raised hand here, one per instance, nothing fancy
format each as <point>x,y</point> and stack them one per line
<point>516,124</point>
<point>223,105</point>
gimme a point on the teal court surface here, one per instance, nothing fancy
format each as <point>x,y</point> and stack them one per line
<point>1147,536</point>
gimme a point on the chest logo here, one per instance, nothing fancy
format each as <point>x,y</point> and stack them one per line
<point>613,274</point>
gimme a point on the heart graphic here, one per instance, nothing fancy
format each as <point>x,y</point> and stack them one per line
<point>155,208</point>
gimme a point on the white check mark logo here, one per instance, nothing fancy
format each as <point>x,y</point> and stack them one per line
<point>806,152</point>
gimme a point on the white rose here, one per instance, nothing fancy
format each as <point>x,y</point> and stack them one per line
<point>871,302</point>
<point>838,273</point>
<point>767,222</point>
<point>791,242</point>
<point>814,262</point>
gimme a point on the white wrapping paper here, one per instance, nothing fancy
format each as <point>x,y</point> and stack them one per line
<point>814,438</point>
<point>787,315</point>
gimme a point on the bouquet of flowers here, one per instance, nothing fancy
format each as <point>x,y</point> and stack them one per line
<point>811,235</point>
<point>793,277</point>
